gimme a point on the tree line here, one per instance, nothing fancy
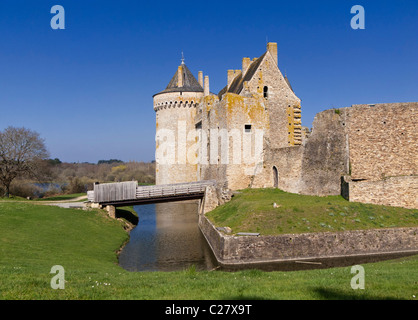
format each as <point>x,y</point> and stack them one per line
<point>27,171</point>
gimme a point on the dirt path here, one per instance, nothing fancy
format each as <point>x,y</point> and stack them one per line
<point>81,198</point>
<point>69,203</point>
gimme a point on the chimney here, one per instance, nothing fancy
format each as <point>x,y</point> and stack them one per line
<point>180,80</point>
<point>200,78</point>
<point>272,48</point>
<point>245,64</point>
<point>206,89</point>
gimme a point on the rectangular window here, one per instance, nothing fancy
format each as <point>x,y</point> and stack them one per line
<point>247,127</point>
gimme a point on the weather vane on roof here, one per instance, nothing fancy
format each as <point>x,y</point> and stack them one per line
<point>182,58</point>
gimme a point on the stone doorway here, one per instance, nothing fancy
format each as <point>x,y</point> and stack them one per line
<point>275,177</point>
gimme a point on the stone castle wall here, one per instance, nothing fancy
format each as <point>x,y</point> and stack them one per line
<point>231,149</point>
<point>267,104</point>
<point>210,117</point>
<point>325,155</point>
<point>316,167</point>
<point>282,105</point>
<point>242,111</point>
<point>383,140</point>
<point>217,137</point>
<point>374,146</point>
<point>398,191</point>
<point>176,139</point>
<point>288,162</point>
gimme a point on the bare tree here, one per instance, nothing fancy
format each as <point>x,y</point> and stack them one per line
<point>21,150</point>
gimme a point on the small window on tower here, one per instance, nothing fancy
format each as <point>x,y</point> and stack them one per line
<point>266,92</point>
<point>247,128</point>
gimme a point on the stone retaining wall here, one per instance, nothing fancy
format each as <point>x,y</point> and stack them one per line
<point>230,249</point>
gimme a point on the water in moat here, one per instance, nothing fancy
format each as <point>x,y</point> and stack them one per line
<point>167,238</point>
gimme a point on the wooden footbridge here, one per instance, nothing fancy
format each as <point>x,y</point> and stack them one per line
<point>129,193</point>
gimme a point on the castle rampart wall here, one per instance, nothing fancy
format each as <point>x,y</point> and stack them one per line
<point>398,191</point>
<point>383,142</point>
<point>325,155</point>
<point>374,147</point>
<point>288,163</point>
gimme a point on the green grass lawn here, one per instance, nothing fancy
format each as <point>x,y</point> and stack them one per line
<point>64,197</point>
<point>13,198</point>
<point>251,210</point>
<point>33,238</point>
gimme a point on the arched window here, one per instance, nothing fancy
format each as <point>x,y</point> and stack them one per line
<point>266,92</point>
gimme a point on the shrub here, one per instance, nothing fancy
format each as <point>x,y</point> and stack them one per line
<point>23,188</point>
<point>76,186</point>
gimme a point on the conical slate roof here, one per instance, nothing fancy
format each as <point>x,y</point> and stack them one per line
<point>190,84</point>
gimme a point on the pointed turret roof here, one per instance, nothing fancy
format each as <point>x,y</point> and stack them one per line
<point>190,84</point>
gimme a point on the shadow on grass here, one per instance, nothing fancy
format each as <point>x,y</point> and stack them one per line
<point>127,215</point>
<point>332,294</point>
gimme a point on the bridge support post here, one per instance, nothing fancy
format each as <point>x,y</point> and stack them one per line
<point>111,211</point>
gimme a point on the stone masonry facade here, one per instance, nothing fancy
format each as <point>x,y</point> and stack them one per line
<point>250,135</point>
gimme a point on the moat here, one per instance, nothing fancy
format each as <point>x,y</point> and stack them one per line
<point>167,238</point>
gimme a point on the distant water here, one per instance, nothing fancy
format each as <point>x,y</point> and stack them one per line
<point>167,238</point>
<point>46,186</point>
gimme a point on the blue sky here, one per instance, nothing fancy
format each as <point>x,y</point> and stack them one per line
<point>88,89</point>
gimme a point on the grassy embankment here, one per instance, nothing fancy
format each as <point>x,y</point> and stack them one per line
<point>252,210</point>
<point>33,238</point>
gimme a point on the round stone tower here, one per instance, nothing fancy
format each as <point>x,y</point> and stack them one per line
<point>176,137</point>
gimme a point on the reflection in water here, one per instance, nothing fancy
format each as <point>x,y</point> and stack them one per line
<point>167,238</point>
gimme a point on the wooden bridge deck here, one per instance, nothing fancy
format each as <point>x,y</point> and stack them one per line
<point>129,193</point>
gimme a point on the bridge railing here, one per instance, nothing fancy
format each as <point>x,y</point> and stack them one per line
<point>118,191</point>
<point>172,189</point>
<point>124,191</point>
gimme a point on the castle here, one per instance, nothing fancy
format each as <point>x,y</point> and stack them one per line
<point>250,135</point>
